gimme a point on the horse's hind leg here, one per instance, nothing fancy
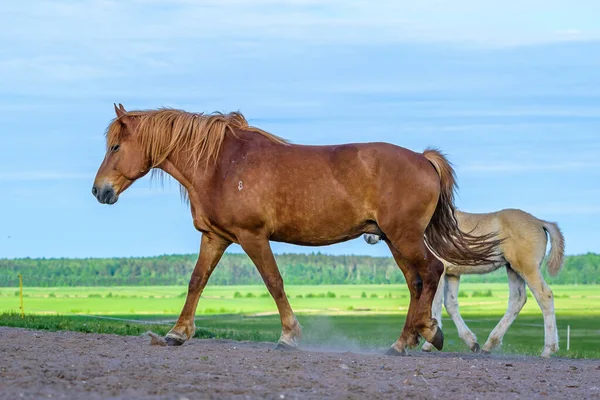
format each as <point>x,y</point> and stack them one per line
<point>516,300</point>
<point>211,250</point>
<point>436,308</point>
<point>409,336</point>
<point>428,271</point>
<point>259,250</point>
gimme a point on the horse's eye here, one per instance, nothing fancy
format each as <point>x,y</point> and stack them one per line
<point>115,148</point>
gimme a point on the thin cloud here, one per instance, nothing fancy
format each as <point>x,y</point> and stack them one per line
<point>43,176</point>
<point>316,22</point>
<point>518,167</point>
<point>567,209</point>
<point>547,210</point>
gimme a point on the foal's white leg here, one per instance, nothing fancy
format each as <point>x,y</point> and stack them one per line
<point>451,302</point>
<point>516,300</point>
<point>436,308</point>
<point>545,299</point>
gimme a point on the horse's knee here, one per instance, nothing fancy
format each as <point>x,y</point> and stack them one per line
<point>522,300</point>
<point>437,267</point>
<point>434,271</point>
<point>197,282</point>
<point>545,298</point>
<point>274,283</point>
<point>451,305</point>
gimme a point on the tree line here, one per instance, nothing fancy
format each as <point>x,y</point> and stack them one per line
<point>237,269</point>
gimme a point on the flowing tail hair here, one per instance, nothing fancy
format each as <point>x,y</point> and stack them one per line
<point>442,235</point>
<point>557,247</point>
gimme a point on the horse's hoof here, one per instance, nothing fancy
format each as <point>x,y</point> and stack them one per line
<point>285,347</point>
<point>485,352</point>
<point>476,349</point>
<point>438,339</point>
<point>392,351</point>
<point>426,349</point>
<point>173,341</point>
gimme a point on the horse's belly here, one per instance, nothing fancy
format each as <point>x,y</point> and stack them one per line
<point>473,269</point>
<point>325,234</point>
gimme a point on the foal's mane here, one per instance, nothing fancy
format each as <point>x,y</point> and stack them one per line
<point>165,130</point>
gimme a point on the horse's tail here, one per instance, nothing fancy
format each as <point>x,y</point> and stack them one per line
<point>557,247</point>
<point>443,235</point>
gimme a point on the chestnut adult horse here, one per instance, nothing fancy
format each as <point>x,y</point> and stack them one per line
<point>250,187</point>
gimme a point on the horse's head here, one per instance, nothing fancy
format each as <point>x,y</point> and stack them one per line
<point>125,159</point>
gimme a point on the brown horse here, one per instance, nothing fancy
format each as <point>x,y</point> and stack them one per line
<point>247,186</point>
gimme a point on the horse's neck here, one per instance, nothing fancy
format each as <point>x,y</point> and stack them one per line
<point>178,167</point>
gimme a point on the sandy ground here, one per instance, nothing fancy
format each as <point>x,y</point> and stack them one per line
<point>37,364</point>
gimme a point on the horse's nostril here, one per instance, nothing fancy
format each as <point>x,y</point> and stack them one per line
<point>95,191</point>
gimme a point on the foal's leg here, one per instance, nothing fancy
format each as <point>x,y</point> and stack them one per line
<point>545,299</point>
<point>436,308</point>
<point>212,248</point>
<point>516,300</point>
<point>451,303</point>
<point>259,250</point>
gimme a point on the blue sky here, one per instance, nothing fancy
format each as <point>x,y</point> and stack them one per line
<point>511,92</point>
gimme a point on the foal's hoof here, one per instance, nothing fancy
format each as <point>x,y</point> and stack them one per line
<point>476,349</point>
<point>392,351</point>
<point>285,347</point>
<point>438,339</point>
<point>174,341</point>
<point>485,352</point>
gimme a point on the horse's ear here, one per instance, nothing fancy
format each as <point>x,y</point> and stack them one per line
<point>127,120</point>
<point>120,111</point>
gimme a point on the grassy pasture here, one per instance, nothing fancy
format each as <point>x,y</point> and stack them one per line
<point>333,316</point>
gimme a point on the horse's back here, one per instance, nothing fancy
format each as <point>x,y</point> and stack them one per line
<point>523,235</point>
<point>324,194</point>
<point>358,166</point>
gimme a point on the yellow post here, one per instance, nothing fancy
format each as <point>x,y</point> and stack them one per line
<point>21,295</point>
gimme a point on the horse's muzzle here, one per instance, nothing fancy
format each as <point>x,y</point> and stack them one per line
<point>105,194</point>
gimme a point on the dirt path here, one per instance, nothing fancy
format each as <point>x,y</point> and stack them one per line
<point>37,364</point>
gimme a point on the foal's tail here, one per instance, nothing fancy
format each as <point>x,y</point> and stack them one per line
<point>443,235</point>
<point>557,247</point>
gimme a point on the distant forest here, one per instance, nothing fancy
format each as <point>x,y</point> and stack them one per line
<point>237,269</point>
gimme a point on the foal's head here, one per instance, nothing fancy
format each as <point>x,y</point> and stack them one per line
<point>125,160</point>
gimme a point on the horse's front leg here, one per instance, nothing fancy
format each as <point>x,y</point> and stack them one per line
<point>212,248</point>
<point>259,250</point>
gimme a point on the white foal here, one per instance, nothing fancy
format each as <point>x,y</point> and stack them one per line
<point>522,252</point>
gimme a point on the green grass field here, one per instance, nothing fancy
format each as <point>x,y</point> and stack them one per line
<point>333,316</point>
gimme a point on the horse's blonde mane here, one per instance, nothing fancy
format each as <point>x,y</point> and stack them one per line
<point>163,131</point>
